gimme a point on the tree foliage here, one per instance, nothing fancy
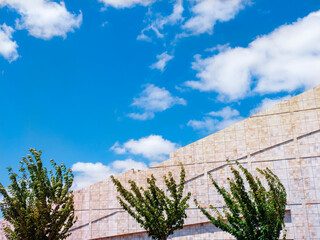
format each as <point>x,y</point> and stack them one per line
<point>38,205</point>
<point>152,208</point>
<point>257,214</point>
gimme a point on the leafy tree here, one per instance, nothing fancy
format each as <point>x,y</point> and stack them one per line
<point>257,214</point>
<point>156,212</point>
<point>38,205</point>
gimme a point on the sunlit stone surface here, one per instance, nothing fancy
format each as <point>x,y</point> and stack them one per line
<point>285,138</point>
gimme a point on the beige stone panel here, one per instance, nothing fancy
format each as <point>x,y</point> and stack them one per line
<point>317,102</point>
<point>309,94</point>
<point>262,113</point>
<point>293,104</point>
<point>273,110</point>
<point>301,126</point>
<point>252,135</point>
<point>219,137</point>
<point>309,103</point>
<point>284,107</point>
<point>230,134</point>
<point>316,91</point>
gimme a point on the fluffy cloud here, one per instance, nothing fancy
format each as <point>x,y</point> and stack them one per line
<point>207,12</point>
<point>90,173</point>
<point>225,113</point>
<point>284,60</point>
<point>43,18</point>
<point>201,17</point>
<point>118,149</point>
<point>125,165</point>
<point>125,3</point>
<point>154,99</point>
<point>221,119</point>
<point>8,48</point>
<point>153,147</point>
<point>163,59</point>
<point>267,103</point>
<point>207,124</point>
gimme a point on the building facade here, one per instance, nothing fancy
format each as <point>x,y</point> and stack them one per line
<point>284,138</point>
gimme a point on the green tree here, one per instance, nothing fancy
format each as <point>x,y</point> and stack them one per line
<point>156,212</point>
<point>257,214</point>
<point>38,205</point>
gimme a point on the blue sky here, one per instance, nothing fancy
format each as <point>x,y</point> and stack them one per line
<point>109,85</point>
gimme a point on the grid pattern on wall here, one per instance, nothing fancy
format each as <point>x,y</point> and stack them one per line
<point>285,138</point>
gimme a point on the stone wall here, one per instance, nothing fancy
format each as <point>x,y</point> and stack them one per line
<point>285,138</point>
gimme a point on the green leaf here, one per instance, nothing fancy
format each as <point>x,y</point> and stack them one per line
<point>257,213</point>
<point>38,206</point>
<point>156,211</point>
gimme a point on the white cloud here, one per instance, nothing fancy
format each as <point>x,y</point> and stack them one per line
<point>207,12</point>
<point>43,18</point>
<point>128,164</point>
<point>222,119</point>
<point>225,113</point>
<point>154,99</point>
<point>144,33</point>
<point>284,60</point>
<point>204,14</point>
<point>161,21</point>
<point>126,3</point>
<point>90,173</point>
<point>163,59</point>
<point>207,124</point>
<point>267,103</point>
<point>118,149</point>
<point>174,17</point>
<point>8,48</point>
<point>218,48</point>
<point>142,116</point>
<point>105,23</point>
<point>153,147</point>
